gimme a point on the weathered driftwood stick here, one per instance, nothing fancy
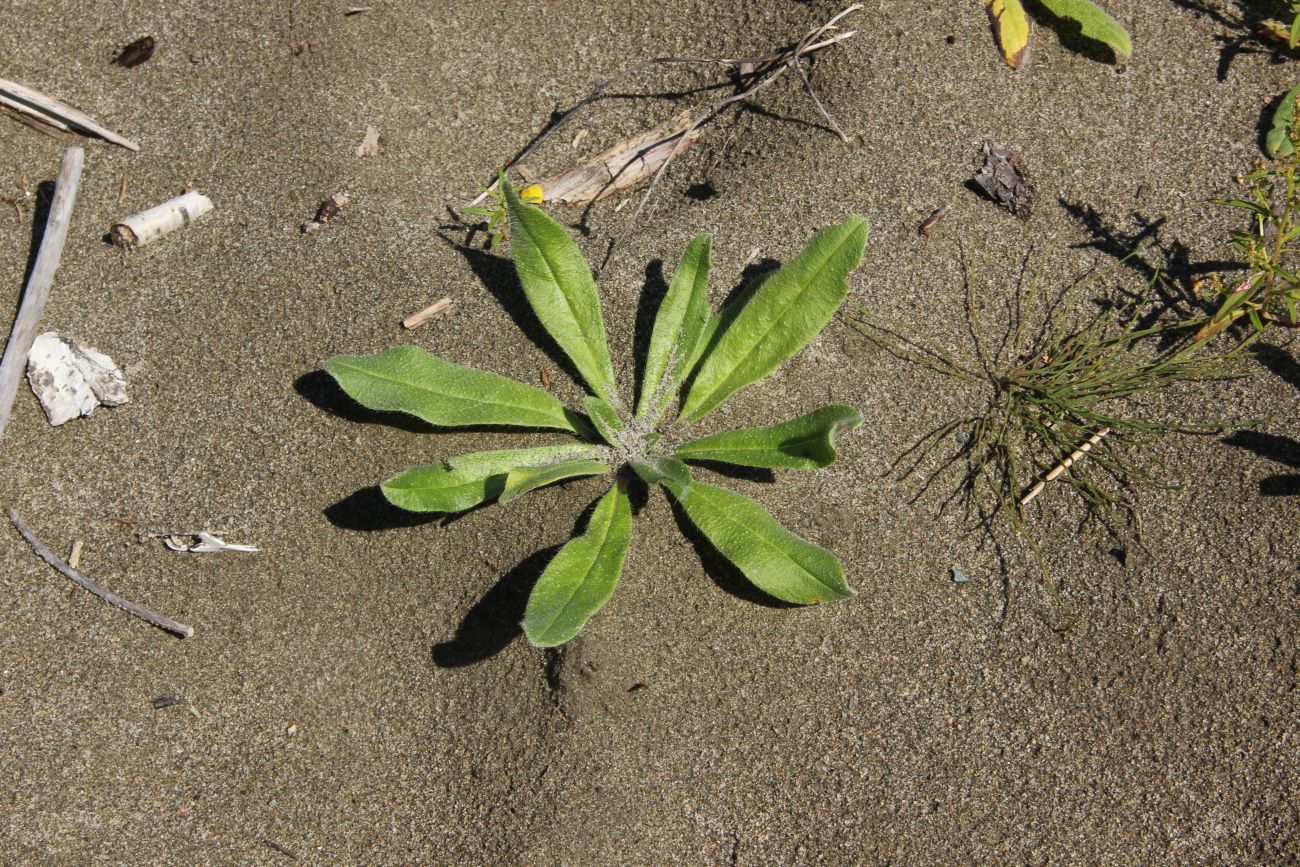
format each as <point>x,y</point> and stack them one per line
<point>1063,466</point>
<point>111,598</point>
<point>38,285</point>
<point>420,317</point>
<point>152,224</point>
<point>56,113</point>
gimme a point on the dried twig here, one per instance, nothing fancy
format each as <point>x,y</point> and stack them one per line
<point>56,113</point>
<point>282,849</point>
<point>111,598</point>
<point>710,111</point>
<point>1063,466</point>
<point>420,317</point>
<point>38,286</point>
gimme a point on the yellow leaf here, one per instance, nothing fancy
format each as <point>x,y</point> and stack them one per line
<point>1011,28</point>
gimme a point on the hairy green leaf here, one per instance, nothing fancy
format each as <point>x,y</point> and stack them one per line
<point>604,418</point>
<point>774,559</point>
<point>718,323</point>
<point>521,480</point>
<point>806,442</point>
<point>1093,21</point>
<point>582,576</point>
<point>783,314</point>
<point>1278,140</point>
<point>561,291</point>
<point>408,379</point>
<point>465,481</point>
<point>653,470</point>
<point>678,325</point>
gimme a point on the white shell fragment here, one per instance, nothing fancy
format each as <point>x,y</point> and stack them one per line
<point>71,379</point>
<point>206,544</point>
<point>152,224</point>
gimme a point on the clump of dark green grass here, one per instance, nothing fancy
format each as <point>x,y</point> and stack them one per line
<point>1058,379</point>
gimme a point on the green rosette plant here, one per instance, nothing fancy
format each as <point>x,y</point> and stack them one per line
<point>708,357</point>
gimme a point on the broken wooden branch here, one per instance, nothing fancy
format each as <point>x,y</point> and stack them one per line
<point>1063,466</point>
<point>111,598</point>
<point>150,225</point>
<point>56,113</point>
<point>37,291</point>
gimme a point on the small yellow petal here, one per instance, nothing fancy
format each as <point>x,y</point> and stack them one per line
<point>532,194</point>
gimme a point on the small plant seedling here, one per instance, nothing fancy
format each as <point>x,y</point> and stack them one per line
<point>1269,294</point>
<point>494,218</point>
<point>1011,26</point>
<point>709,357</point>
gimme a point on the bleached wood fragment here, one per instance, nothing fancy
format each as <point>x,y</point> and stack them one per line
<point>70,379</point>
<point>152,224</point>
<point>56,113</point>
<point>420,317</point>
<point>624,165</point>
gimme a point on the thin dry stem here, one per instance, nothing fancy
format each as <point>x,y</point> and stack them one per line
<point>111,598</point>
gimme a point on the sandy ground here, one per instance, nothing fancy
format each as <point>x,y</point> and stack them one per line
<point>358,691</point>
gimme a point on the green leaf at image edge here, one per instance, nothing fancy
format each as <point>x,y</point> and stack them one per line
<point>560,289</point>
<point>408,379</point>
<point>465,481</point>
<point>806,442</point>
<point>1278,140</point>
<point>1094,22</point>
<point>781,316</point>
<point>678,326</point>
<point>771,557</point>
<point>524,479</point>
<point>582,576</point>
